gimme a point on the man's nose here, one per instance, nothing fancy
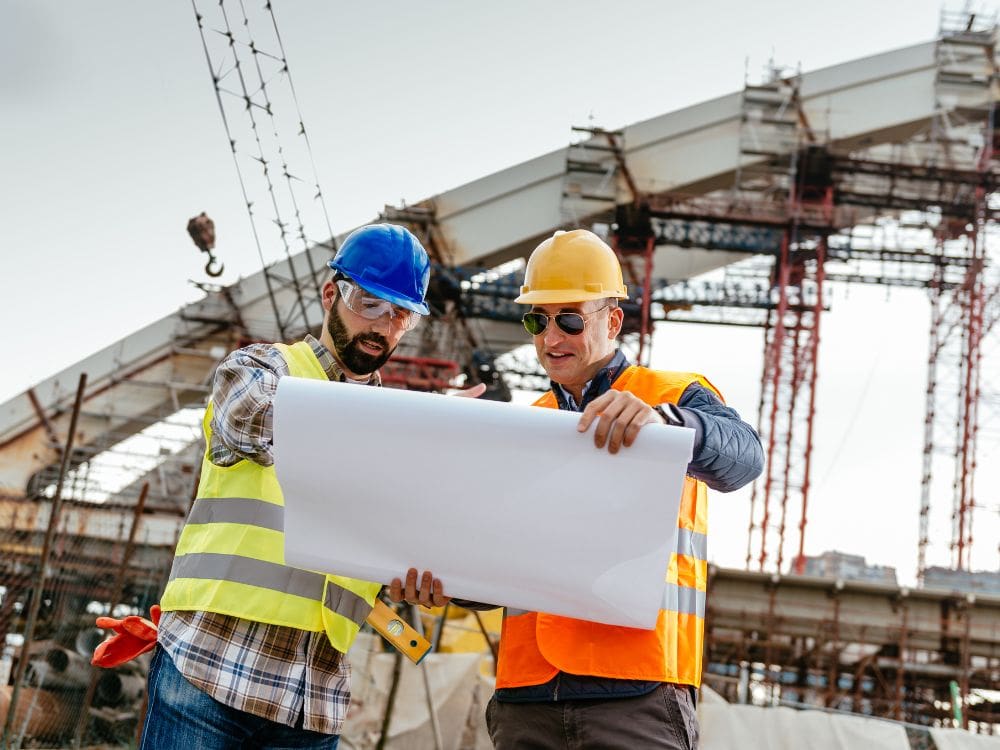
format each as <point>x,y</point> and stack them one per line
<point>382,324</point>
<point>552,333</point>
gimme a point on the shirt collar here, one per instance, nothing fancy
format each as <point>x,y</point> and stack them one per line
<point>331,368</point>
<point>597,386</point>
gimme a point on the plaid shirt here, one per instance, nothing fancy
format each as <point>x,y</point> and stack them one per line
<point>279,673</point>
<point>245,384</point>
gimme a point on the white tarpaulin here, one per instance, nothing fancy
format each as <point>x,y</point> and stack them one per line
<point>505,504</point>
<point>452,680</point>
<point>735,727</point>
<point>726,726</point>
<point>957,739</point>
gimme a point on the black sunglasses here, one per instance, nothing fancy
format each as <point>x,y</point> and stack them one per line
<point>569,323</point>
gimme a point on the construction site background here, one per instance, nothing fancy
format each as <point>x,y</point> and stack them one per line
<point>99,464</point>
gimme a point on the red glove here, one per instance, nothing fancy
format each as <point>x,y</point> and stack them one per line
<point>134,635</point>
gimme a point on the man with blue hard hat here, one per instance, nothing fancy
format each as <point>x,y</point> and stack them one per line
<point>251,652</point>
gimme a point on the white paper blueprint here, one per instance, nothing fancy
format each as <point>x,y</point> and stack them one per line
<point>506,504</point>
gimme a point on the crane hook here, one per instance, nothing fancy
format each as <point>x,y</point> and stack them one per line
<point>202,231</point>
<point>210,268</point>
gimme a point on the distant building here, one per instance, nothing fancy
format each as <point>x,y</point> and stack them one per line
<point>833,564</point>
<point>969,581</point>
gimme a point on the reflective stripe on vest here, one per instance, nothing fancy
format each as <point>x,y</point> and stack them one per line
<point>692,543</point>
<point>243,510</point>
<point>230,556</point>
<point>683,599</point>
<point>534,646</point>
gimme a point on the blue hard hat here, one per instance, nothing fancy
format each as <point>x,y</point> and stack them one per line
<point>388,261</point>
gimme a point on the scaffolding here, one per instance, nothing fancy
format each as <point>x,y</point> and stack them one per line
<point>862,648</point>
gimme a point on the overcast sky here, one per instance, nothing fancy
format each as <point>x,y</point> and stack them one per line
<point>112,140</point>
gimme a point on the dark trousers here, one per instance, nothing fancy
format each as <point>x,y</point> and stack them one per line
<point>664,718</point>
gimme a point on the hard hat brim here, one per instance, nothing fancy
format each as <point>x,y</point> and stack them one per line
<point>563,296</point>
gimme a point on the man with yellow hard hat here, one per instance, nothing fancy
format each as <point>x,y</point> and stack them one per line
<point>566,683</point>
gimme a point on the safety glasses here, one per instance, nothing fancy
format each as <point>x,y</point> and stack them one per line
<point>371,307</point>
<point>570,323</point>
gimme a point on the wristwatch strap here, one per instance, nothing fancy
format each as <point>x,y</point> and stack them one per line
<point>671,414</point>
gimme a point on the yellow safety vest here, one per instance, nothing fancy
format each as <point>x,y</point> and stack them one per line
<point>535,646</point>
<point>230,557</point>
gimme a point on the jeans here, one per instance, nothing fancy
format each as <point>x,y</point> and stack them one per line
<point>182,716</point>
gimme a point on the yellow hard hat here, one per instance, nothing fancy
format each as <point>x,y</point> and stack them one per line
<point>572,267</point>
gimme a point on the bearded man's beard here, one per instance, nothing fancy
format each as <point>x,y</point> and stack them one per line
<point>348,349</point>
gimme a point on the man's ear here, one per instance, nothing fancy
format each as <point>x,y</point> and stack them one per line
<point>616,319</point>
<point>328,295</point>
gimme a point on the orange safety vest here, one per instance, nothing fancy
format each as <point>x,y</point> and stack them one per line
<point>535,646</point>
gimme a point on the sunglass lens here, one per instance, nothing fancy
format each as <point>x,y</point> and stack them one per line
<point>571,323</point>
<point>534,323</point>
